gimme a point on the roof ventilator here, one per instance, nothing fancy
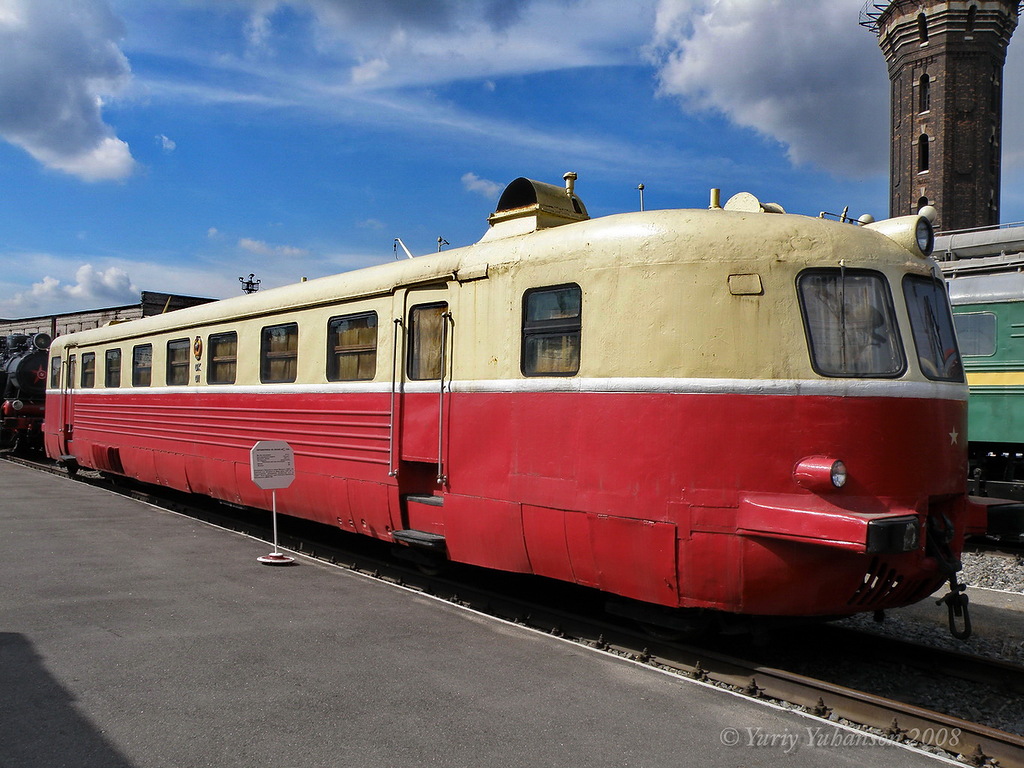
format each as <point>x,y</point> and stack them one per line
<point>528,206</point>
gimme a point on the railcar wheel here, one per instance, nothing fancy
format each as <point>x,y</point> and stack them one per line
<point>668,634</point>
<point>435,568</point>
<point>427,563</point>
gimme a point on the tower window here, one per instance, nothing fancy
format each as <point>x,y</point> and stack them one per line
<point>972,16</point>
<point>924,94</point>
<point>922,153</point>
<point>922,27</point>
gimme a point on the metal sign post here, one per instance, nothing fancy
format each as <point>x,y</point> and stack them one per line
<point>272,466</point>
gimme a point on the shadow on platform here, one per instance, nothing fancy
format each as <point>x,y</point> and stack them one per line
<point>39,725</point>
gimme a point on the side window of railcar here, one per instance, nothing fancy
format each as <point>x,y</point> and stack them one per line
<point>55,373</point>
<point>222,358</point>
<point>552,329</point>
<point>178,361</point>
<point>976,333</point>
<point>142,365</point>
<point>850,323</point>
<point>112,375</point>
<point>72,366</point>
<point>932,324</point>
<point>88,370</point>
<point>426,333</point>
<point>279,353</point>
<point>352,347</point>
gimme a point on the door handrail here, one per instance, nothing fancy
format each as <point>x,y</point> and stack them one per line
<point>392,469</point>
<point>442,478</point>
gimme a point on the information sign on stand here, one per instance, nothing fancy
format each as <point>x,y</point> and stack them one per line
<point>272,466</point>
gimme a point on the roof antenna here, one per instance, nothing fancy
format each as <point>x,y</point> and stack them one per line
<point>641,188</point>
<point>398,242</point>
<point>441,242</point>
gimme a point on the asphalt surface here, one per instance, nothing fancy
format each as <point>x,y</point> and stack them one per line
<point>131,637</point>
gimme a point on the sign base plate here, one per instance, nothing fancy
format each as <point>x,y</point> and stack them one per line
<point>276,558</point>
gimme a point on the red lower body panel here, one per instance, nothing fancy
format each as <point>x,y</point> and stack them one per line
<point>674,499</point>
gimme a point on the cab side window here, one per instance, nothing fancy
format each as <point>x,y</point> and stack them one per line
<point>552,331</point>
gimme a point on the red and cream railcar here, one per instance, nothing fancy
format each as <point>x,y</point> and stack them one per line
<point>730,409</point>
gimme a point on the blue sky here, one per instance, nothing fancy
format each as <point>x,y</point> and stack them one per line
<point>179,144</point>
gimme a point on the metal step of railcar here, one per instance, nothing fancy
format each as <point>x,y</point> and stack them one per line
<point>424,498</point>
<point>432,541</point>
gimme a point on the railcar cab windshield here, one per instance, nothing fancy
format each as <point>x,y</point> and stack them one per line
<point>852,329</point>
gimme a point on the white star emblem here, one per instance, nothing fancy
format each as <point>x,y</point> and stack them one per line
<point>953,436</point>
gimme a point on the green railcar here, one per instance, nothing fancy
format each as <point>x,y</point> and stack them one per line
<point>988,311</point>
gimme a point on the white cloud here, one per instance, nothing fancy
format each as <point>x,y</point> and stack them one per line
<point>395,43</point>
<point>91,288</point>
<point>818,86</point>
<point>261,248</point>
<point>473,183</point>
<point>166,144</point>
<point>60,61</point>
<point>370,71</point>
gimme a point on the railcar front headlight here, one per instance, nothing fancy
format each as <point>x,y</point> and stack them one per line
<point>838,474</point>
<point>820,473</point>
<point>925,236</point>
<point>17,405</point>
<point>911,232</point>
<point>893,535</point>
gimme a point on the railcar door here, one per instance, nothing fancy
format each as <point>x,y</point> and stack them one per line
<point>67,393</point>
<point>422,362</point>
<point>424,325</point>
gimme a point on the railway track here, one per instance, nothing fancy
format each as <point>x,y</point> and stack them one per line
<point>546,607</point>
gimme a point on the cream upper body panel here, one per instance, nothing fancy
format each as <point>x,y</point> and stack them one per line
<point>665,294</point>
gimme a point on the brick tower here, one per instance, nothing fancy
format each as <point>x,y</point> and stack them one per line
<point>945,62</point>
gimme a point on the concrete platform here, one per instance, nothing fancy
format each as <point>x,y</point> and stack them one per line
<point>133,637</point>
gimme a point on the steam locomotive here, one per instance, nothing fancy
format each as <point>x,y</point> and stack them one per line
<point>23,362</point>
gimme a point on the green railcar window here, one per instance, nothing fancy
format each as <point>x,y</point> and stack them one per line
<point>976,333</point>
<point>850,323</point>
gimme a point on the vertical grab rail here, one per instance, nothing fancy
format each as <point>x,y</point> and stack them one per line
<point>392,469</point>
<point>67,407</point>
<point>442,478</point>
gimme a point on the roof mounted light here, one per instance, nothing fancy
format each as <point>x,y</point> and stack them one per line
<point>912,232</point>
